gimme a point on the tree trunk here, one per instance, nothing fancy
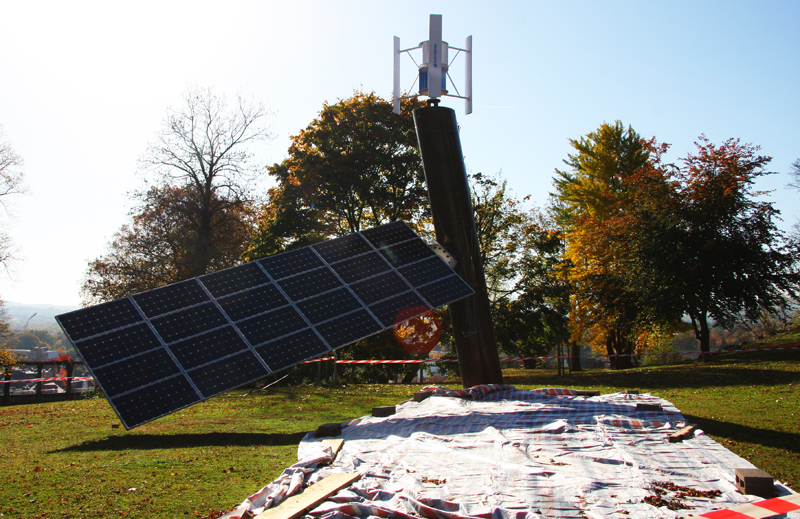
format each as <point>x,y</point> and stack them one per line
<point>576,356</point>
<point>335,377</point>
<point>620,350</point>
<point>702,333</point>
<point>559,359</point>
<point>612,357</point>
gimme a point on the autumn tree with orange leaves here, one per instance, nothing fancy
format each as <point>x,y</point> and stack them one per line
<point>734,262</point>
<point>651,242</point>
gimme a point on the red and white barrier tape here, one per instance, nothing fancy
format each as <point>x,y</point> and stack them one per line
<point>51,379</point>
<point>757,510</point>
<point>504,359</point>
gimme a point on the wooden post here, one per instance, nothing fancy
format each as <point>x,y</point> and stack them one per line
<point>39,384</point>
<point>451,208</point>
<point>7,385</point>
<point>70,370</point>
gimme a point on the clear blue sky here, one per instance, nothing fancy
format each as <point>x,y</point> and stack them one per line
<point>84,86</point>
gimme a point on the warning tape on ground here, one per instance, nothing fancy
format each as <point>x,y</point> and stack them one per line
<point>757,510</point>
<point>519,359</point>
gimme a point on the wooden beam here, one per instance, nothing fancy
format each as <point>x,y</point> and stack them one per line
<point>335,445</point>
<point>682,434</point>
<point>297,505</point>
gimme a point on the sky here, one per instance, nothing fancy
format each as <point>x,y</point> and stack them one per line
<point>85,86</point>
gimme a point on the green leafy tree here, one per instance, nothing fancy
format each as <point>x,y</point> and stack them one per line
<point>521,254</point>
<point>197,214</point>
<point>355,166</point>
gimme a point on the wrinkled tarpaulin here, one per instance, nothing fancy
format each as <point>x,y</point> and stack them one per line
<point>499,452</point>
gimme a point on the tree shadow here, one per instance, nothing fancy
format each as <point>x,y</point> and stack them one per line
<point>694,376</point>
<point>181,441</point>
<point>746,434</point>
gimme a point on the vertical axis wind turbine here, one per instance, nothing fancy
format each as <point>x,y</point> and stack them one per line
<point>434,68</point>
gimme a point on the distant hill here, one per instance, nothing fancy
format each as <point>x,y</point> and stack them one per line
<point>43,320</point>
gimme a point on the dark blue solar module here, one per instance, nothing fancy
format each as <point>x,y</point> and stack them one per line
<point>165,349</point>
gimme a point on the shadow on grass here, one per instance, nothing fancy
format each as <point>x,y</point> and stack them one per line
<point>694,376</point>
<point>182,441</point>
<point>745,434</point>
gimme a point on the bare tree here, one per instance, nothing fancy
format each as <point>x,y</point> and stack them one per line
<point>196,214</point>
<point>203,150</point>
<point>11,183</point>
<point>794,171</point>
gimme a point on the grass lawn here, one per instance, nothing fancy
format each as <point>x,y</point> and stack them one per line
<point>67,460</point>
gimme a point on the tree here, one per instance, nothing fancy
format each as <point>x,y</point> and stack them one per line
<point>159,246</point>
<point>196,215</point>
<point>356,165</point>
<point>795,172</point>
<point>594,204</point>
<point>11,183</point>
<point>521,254</point>
<point>735,263</point>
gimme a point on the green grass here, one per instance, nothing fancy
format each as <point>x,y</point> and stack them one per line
<point>66,460</point>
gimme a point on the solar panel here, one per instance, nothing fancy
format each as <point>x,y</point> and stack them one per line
<point>165,349</point>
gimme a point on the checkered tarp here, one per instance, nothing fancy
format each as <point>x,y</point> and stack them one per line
<point>498,452</point>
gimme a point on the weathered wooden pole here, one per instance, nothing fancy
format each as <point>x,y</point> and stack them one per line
<point>451,208</point>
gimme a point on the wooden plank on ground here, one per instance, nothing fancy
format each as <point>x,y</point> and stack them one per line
<point>681,435</point>
<point>335,445</point>
<point>297,505</point>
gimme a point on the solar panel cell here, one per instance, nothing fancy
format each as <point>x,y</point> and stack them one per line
<point>118,344</point>
<point>387,311</point>
<point>328,305</point>
<point>202,349</point>
<point>426,271</point>
<point>136,371</point>
<point>407,252</point>
<point>227,373</point>
<point>154,401</point>
<point>309,284</point>
<point>104,317</point>
<point>252,302</point>
<point>361,267</point>
<point>265,327</point>
<point>191,321</point>
<point>234,279</point>
<point>389,234</point>
<point>291,263</point>
<point>171,297</point>
<point>342,248</point>
<point>348,328</point>
<point>380,287</point>
<point>445,290</point>
<point>286,351</point>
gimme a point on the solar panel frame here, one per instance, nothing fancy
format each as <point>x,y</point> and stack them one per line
<point>200,337</point>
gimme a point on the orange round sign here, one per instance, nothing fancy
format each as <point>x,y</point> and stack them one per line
<point>417,330</point>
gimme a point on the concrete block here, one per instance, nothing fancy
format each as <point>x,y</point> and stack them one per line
<point>419,396</point>
<point>648,407</point>
<point>755,482</point>
<point>329,429</point>
<point>381,411</point>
